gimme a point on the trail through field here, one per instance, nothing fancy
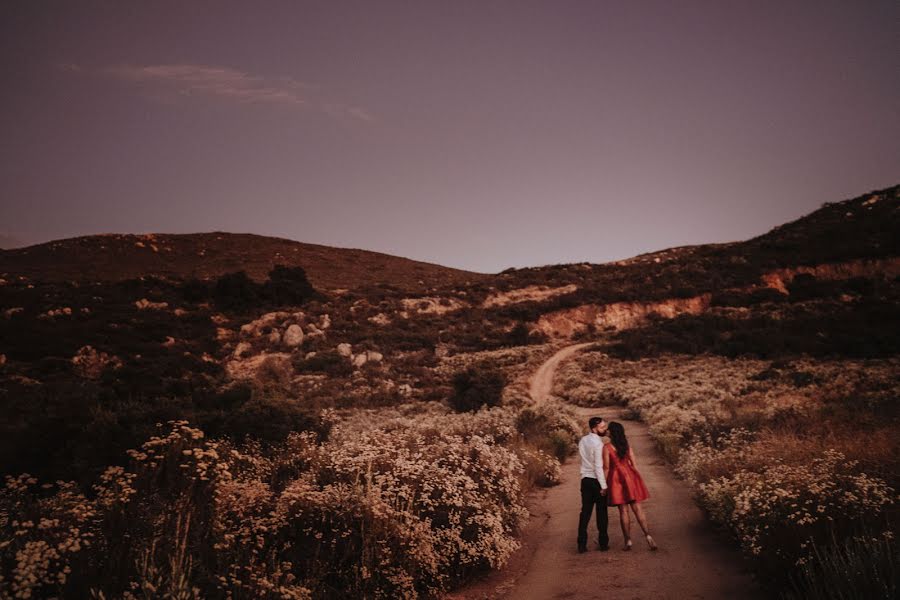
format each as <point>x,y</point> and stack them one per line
<point>693,562</point>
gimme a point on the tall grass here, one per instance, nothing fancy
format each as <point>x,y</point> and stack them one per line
<point>862,568</point>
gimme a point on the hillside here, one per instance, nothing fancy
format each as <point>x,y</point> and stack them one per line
<point>116,257</point>
<point>105,339</point>
<point>864,228</point>
<point>115,321</point>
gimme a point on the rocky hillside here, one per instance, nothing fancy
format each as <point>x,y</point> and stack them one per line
<point>102,337</point>
<point>116,257</point>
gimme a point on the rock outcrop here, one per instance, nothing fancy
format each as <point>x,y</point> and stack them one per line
<point>293,336</point>
<point>144,304</point>
<point>432,305</point>
<point>380,319</point>
<point>781,278</point>
<point>531,293</point>
<point>618,315</point>
<point>369,356</point>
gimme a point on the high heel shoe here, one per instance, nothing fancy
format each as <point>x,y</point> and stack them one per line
<point>651,542</point>
<point>627,545</point>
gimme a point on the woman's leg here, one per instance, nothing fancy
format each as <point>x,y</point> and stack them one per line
<point>642,521</point>
<point>641,517</point>
<point>625,522</point>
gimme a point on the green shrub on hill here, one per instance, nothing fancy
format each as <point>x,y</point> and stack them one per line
<point>477,387</point>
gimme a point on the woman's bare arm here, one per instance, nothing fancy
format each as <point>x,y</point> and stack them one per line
<point>605,462</point>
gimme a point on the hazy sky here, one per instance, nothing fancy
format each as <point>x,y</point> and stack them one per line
<point>480,135</point>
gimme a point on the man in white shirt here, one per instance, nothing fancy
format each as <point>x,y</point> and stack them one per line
<point>593,484</point>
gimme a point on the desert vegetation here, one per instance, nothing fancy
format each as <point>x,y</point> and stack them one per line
<point>402,502</point>
<point>196,417</point>
<point>796,458</point>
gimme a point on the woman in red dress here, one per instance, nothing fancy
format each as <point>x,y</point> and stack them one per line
<point>626,487</point>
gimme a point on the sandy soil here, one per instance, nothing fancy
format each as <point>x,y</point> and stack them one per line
<point>693,560</point>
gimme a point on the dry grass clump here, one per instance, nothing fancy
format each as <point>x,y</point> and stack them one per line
<point>401,502</point>
<point>788,456</point>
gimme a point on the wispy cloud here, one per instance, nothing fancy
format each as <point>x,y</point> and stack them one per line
<point>179,81</point>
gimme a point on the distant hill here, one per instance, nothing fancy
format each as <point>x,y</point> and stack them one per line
<point>116,257</point>
<point>92,356</point>
<point>10,241</point>
<point>864,228</point>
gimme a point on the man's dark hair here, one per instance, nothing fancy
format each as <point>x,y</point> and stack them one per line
<point>594,421</point>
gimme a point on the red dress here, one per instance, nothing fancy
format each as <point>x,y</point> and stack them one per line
<point>624,482</point>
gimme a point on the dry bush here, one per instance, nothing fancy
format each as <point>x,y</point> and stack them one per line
<point>401,502</point>
<point>788,455</point>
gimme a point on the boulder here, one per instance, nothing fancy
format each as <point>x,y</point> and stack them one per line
<point>274,337</point>
<point>372,356</point>
<point>293,336</point>
<point>144,304</point>
<point>345,349</point>
<point>325,321</point>
<point>241,349</point>
<point>380,319</point>
<point>254,328</point>
<point>359,360</point>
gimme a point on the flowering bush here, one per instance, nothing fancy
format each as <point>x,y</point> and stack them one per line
<point>782,508</point>
<point>788,456</point>
<point>397,503</point>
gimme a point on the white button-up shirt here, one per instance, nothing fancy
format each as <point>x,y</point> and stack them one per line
<point>590,448</point>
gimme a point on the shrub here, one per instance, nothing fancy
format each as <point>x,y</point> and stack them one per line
<point>288,286</point>
<point>778,511</point>
<point>549,427</point>
<point>236,291</point>
<point>196,290</point>
<point>477,387</point>
<point>382,513</point>
<point>328,362</point>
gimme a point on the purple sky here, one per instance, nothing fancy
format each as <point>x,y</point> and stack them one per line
<point>480,135</point>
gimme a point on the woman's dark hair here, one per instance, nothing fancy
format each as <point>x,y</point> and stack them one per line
<point>618,439</point>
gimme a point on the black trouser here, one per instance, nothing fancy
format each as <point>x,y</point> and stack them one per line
<point>590,497</point>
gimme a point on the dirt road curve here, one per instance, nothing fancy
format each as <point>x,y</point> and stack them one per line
<point>542,381</point>
<point>692,563</point>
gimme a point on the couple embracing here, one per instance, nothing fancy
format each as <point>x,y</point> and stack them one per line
<point>609,477</point>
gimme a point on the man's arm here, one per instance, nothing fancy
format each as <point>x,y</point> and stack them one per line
<point>599,468</point>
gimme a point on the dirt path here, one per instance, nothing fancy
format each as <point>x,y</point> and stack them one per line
<point>692,563</point>
<point>542,381</point>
